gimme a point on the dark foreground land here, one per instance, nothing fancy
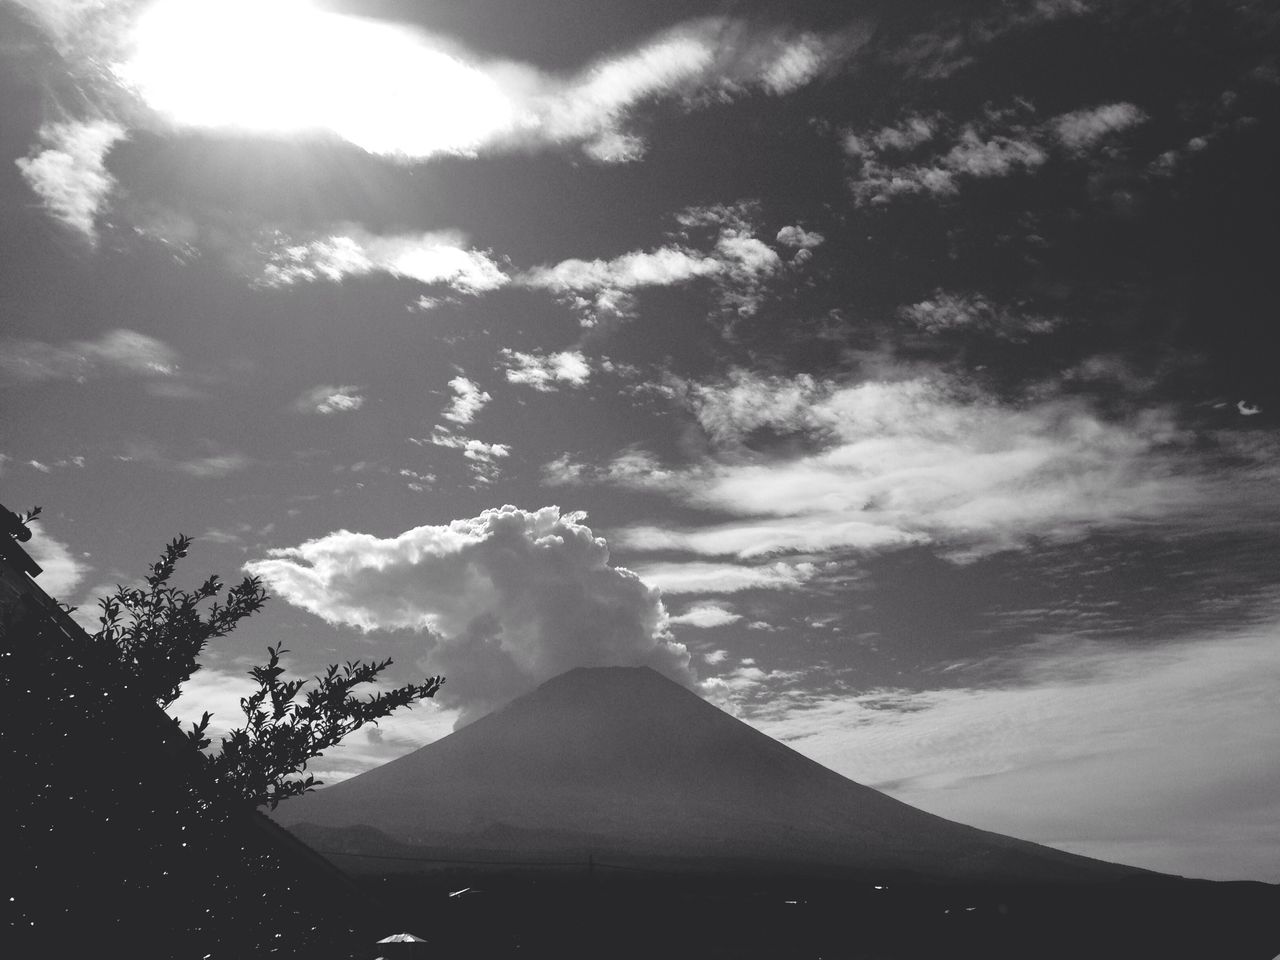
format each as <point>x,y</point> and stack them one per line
<point>614,913</point>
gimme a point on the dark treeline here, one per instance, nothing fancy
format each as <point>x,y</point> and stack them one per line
<point>114,843</point>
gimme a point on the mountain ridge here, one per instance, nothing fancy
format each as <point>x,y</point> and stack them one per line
<point>648,768</point>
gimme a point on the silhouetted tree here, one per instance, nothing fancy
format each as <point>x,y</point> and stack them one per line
<point>158,633</point>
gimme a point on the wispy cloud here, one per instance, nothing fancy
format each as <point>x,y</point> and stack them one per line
<point>68,170</point>
<point>123,352</point>
<point>934,155</point>
<point>735,260</point>
<point>1082,129</point>
<point>214,465</point>
<point>702,577</point>
<point>468,400</point>
<point>705,616</point>
<point>987,149</point>
<point>330,399</point>
<point>943,51</point>
<point>1030,756</point>
<point>947,311</point>
<point>921,459</point>
<point>483,457</point>
<point>301,69</point>
<point>440,258</point>
<point>506,599</point>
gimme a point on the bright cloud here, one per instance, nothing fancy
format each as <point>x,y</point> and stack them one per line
<point>429,258</point>
<point>69,174</point>
<point>483,457</point>
<point>737,262</point>
<point>328,399</point>
<point>300,69</point>
<point>546,371</point>
<point>468,400</point>
<point>62,569</point>
<point>701,577</point>
<point>917,460</point>
<point>800,238</point>
<point>505,600</point>
<point>124,352</point>
<point>1031,757</point>
<point>705,616</point>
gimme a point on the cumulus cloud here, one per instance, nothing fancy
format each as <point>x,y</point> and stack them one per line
<point>330,399</point>
<point>1082,129</point>
<point>1030,756</point>
<point>799,238</point>
<point>70,174</point>
<point>706,616</point>
<point>468,400</point>
<point>301,69</point>
<point>62,569</point>
<point>546,371</point>
<point>123,352</point>
<point>504,600</point>
<point>433,258</point>
<point>879,464</point>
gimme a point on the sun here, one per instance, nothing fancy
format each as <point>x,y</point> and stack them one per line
<point>283,67</point>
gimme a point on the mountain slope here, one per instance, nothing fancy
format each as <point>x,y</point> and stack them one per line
<point>621,761</point>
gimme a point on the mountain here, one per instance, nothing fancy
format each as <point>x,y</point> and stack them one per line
<point>620,762</point>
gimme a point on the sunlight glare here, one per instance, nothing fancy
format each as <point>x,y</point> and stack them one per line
<point>282,67</point>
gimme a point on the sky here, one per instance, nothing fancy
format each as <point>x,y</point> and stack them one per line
<point>891,373</point>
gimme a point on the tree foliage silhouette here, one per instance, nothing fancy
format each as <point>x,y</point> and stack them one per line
<point>157,634</point>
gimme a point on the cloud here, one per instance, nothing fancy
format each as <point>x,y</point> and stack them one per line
<point>1082,129</point>
<point>799,238</point>
<point>1074,749</point>
<point>62,570</point>
<point>976,153</point>
<point>329,399</point>
<point>302,70</point>
<point>482,456</point>
<point>504,600</point>
<point>70,173</point>
<point>939,53</point>
<point>439,258</point>
<point>215,465</point>
<point>468,400</point>
<point>806,466</point>
<point>737,262</point>
<point>890,163</point>
<point>705,616</point>
<point>123,352</point>
<point>946,311</point>
<point>547,371</point>
<point>701,577</point>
